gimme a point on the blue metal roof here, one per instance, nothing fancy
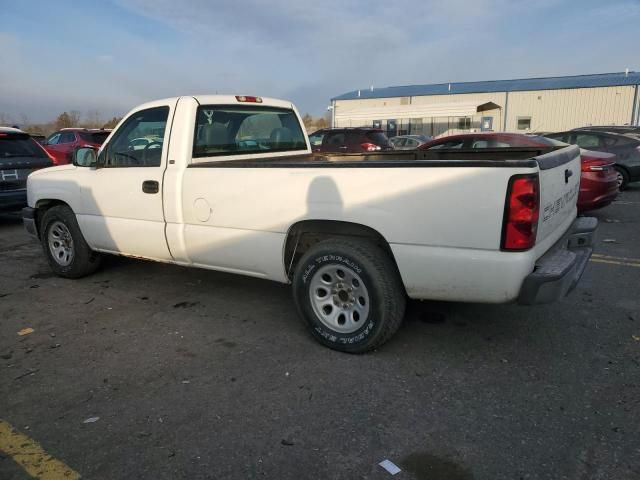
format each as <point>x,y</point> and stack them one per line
<point>519,85</point>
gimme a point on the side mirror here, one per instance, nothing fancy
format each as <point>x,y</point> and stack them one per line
<point>85,157</point>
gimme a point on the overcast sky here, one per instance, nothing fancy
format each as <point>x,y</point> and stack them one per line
<point>112,55</point>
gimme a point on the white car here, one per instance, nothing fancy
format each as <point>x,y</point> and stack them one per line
<point>236,188</point>
<point>145,142</point>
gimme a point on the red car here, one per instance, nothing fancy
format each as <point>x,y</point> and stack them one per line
<point>598,179</point>
<point>64,142</point>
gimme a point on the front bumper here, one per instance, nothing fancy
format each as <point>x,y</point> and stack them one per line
<point>558,271</point>
<point>29,221</point>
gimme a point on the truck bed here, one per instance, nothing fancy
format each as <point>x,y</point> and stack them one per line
<point>517,157</point>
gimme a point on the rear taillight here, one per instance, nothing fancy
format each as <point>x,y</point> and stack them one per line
<point>591,164</point>
<point>370,147</point>
<point>521,212</point>
<point>51,157</point>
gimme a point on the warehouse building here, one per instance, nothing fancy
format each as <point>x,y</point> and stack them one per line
<point>526,105</point>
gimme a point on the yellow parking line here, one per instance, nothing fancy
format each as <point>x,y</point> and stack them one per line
<point>29,455</point>
<point>619,259</point>
<point>614,262</point>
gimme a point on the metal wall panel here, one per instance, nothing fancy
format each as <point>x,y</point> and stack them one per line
<point>557,110</point>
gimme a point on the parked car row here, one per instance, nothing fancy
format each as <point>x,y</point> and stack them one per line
<point>349,140</point>
<point>610,154</point>
<point>623,142</point>
<point>598,179</point>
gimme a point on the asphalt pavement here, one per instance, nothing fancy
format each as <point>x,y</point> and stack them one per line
<point>193,374</point>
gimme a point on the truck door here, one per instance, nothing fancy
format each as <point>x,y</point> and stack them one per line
<point>122,197</point>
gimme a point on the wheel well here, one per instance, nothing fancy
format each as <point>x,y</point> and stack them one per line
<point>622,167</point>
<point>303,235</point>
<point>42,206</point>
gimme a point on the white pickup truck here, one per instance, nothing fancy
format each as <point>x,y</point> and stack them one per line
<point>229,183</point>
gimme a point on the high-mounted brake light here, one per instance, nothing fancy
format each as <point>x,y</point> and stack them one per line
<point>370,147</point>
<point>521,213</point>
<point>244,98</point>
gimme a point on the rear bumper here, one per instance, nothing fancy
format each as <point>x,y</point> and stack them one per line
<point>29,221</point>
<point>558,271</point>
<point>12,200</point>
<point>596,190</point>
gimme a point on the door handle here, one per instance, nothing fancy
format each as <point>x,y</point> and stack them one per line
<point>150,186</point>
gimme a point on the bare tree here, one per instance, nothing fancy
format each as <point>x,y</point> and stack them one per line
<point>24,121</point>
<point>93,119</point>
<point>74,116</point>
<point>5,119</point>
<point>63,121</point>
<point>112,123</point>
<point>307,120</point>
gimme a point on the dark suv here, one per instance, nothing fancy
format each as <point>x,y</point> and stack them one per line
<point>349,140</point>
<point>19,156</point>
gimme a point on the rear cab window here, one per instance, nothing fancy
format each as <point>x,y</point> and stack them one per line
<point>246,129</point>
<point>94,137</point>
<point>335,139</point>
<point>13,145</point>
<point>379,138</point>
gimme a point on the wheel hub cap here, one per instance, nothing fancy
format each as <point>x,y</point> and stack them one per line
<point>61,244</point>
<point>339,298</point>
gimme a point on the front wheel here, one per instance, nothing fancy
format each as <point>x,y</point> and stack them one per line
<point>350,294</point>
<point>64,246</point>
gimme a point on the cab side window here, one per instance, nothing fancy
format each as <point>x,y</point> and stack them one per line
<point>587,140</point>
<point>449,144</point>
<point>66,137</point>
<point>53,139</point>
<point>139,140</point>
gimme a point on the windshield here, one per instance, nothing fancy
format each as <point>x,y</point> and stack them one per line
<point>549,141</point>
<point>19,145</point>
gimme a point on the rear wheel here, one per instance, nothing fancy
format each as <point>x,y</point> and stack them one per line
<point>623,177</point>
<point>350,294</point>
<point>64,246</point>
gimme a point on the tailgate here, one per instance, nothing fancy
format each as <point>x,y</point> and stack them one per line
<point>559,187</point>
<point>14,171</point>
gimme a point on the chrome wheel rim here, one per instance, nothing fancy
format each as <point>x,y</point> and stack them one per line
<point>619,178</point>
<point>60,244</point>
<point>339,298</point>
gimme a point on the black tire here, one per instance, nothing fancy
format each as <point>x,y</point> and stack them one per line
<point>624,182</point>
<point>83,260</point>
<point>384,289</point>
